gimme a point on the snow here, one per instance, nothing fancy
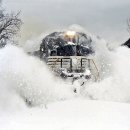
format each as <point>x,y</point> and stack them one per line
<point>29,75</point>
<point>116,86</point>
<point>76,114</point>
<point>54,105</point>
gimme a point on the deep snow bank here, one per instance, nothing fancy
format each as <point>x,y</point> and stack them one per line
<point>77,114</point>
<point>116,86</point>
<point>27,77</point>
<point>24,77</point>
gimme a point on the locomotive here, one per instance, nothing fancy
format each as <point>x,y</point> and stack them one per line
<point>69,55</point>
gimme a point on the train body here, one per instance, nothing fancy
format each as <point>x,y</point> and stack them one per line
<point>69,55</point>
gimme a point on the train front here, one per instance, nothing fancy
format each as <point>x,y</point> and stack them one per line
<point>67,54</point>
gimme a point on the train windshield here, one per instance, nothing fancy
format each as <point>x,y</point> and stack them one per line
<point>73,50</point>
<point>68,50</point>
<point>83,51</point>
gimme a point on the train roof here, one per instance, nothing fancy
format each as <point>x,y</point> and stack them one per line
<point>56,39</point>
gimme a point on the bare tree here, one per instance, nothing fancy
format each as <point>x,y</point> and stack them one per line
<point>9,26</point>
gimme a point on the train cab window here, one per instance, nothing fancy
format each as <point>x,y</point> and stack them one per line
<point>67,50</point>
<point>53,53</point>
<point>83,51</point>
<point>60,51</point>
<point>86,51</point>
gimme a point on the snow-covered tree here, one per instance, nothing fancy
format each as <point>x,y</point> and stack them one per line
<point>9,26</point>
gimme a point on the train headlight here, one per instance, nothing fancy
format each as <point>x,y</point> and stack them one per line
<point>70,33</point>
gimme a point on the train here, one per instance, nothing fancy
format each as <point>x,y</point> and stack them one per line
<point>69,55</point>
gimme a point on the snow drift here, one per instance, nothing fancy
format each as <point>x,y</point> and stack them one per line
<point>24,76</point>
<point>76,114</point>
<point>26,80</point>
<point>116,86</point>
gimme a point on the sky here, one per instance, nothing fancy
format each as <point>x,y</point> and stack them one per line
<point>106,19</point>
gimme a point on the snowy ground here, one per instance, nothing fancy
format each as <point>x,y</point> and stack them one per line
<point>54,104</point>
<point>75,114</point>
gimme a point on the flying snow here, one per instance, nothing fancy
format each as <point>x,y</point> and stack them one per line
<point>27,79</point>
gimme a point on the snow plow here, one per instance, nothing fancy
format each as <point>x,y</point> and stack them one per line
<point>69,55</point>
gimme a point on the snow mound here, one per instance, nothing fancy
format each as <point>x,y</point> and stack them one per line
<point>24,76</point>
<point>76,114</point>
<point>115,87</point>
